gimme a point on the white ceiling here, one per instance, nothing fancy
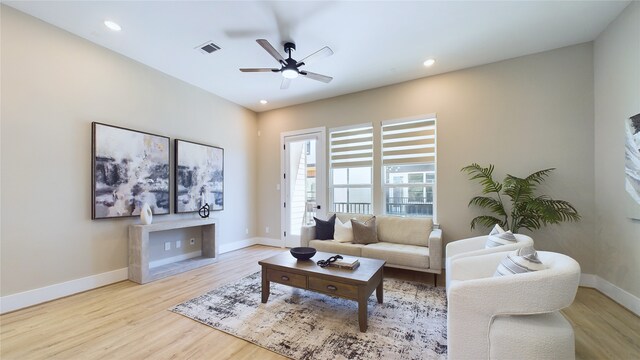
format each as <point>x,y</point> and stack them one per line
<point>375,43</point>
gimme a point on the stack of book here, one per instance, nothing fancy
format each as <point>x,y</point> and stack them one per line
<point>347,262</point>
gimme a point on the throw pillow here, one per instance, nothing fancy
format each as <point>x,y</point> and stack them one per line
<point>325,228</point>
<point>496,230</point>
<point>364,232</point>
<point>503,238</point>
<point>343,232</point>
<point>520,261</point>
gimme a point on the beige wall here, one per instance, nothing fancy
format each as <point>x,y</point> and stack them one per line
<point>617,97</point>
<point>54,85</point>
<point>522,115</point>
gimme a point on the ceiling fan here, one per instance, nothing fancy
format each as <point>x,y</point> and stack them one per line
<point>289,67</point>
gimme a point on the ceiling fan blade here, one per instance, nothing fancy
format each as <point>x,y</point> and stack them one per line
<point>285,83</point>
<point>325,51</point>
<point>259,70</point>
<point>270,49</point>
<point>314,76</point>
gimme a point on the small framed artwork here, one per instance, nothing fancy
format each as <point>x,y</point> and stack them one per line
<point>199,176</point>
<point>632,165</point>
<point>129,168</point>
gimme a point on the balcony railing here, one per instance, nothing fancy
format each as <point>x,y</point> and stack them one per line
<point>414,206</point>
<point>352,208</point>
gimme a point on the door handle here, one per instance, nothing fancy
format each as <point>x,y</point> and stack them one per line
<point>318,207</point>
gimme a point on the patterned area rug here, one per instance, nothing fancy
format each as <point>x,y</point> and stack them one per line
<point>300,324</point>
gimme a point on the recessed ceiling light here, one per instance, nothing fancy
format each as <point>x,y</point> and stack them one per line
<point>112,25</point>
<point>429,62</point>
<point>263,102</point>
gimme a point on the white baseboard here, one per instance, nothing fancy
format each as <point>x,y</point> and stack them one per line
<point>236,245</point>
<point>37,296</point>
<point>589,280</point>
<point>40,295</point>
<point>617,294</point>
<point>269,242</point>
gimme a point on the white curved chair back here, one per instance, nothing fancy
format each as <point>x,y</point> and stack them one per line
<point>476,246</point>
<point>476,298</point>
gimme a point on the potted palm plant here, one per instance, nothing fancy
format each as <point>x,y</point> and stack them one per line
<point>528,210</point>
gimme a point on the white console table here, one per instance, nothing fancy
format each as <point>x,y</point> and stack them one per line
<point>139,249</point>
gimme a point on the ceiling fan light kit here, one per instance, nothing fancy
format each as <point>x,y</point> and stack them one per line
<point>290,73</point>
<point>290,68</point>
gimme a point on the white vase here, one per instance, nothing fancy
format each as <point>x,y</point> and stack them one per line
<point>146,216</point>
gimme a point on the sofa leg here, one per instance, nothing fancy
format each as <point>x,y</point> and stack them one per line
<point>435,280</point>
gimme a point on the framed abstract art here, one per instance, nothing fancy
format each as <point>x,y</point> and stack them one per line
<point>129,168</point>
<point>632,165</point>
<point>199,176</point>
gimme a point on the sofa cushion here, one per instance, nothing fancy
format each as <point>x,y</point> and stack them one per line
<point>520,261</point>
<point>332,246</point>
<point>344,217</point>
<point>398,254</point>
<point>364,232</point>
<point>343,232</point>
<point>399,230</point>
<point>325,228</point>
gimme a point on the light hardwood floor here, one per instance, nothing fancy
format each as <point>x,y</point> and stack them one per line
<point>131,321</point>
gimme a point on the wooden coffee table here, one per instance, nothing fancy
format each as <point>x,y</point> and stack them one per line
<point>355,284</point>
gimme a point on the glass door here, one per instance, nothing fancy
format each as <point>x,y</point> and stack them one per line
<point>304,192</point>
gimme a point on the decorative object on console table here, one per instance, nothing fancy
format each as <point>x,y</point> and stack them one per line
<point>204,211</point>
<point>129,168</point>
<point>199,177</point>
<point>632,166</point>
<point>146,216</point>
<point>527,210</point>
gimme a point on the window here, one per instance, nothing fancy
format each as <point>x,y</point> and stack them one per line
<point>409,167</point>
<point>351,161</point>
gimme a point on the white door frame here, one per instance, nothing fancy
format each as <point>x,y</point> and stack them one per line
<point>321,173</point>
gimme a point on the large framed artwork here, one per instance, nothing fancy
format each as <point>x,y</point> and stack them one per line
<point>199,176</point>
<point>632,165</point>
<point>129,168</point>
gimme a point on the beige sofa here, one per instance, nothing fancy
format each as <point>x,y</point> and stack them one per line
<point>406,243</point>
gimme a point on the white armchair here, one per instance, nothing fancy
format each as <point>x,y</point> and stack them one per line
<point>514,316</point>
<point>475,246</point>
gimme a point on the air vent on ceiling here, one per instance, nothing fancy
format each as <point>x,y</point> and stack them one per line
<point>208,47</point>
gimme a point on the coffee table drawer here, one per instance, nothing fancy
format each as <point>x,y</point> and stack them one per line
<point>334,288</point>
<point>287,278</point>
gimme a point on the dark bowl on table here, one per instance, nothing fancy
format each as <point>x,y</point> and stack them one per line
<point>303,253</point>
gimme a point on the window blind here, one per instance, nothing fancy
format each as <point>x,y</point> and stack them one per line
<point>409,142</point>
<point>351,147</point>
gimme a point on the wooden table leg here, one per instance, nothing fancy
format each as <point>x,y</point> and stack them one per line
<point>379,289</point>
<point>266,286</point>
<point>362,310</point>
